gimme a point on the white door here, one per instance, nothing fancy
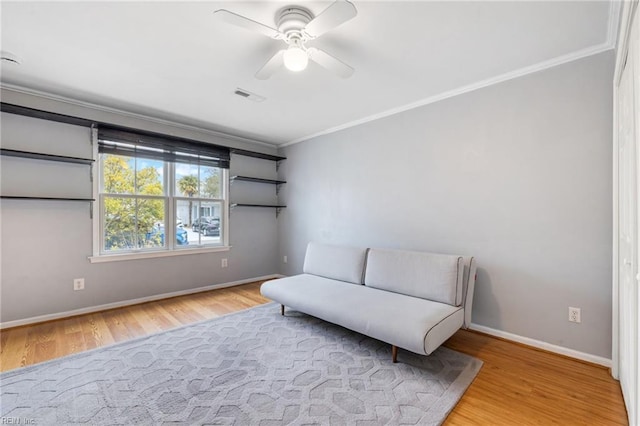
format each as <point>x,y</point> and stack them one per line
<point>628,231</point>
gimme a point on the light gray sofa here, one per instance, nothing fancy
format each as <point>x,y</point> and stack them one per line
<point>412,300</point>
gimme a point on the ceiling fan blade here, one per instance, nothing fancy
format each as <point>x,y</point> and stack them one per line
<point>336,14</point>
<point>329,62</point>
<point>274,64</point>
<point>249,24</point>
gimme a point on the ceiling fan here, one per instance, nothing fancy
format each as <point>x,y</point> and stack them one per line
<point>295,26</point>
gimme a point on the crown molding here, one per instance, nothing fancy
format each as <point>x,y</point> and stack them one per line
<point>127,114</point>
<point>580,54</point>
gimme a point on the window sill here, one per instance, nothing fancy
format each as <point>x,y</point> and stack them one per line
<point>154,254</point>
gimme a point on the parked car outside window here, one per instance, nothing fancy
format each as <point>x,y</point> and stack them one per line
<point>205,222</point>
<point>210,229</point>
<point>158,232</point>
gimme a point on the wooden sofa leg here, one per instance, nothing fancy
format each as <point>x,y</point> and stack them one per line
<point>394,353</point>
<point>282,310</point>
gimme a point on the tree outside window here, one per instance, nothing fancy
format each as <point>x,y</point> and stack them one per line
<point>136,204</point>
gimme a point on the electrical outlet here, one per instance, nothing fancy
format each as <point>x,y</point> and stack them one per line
<point>224,263</point>
<point>574,314</point>
<point>284,259</point>
<point>78,284</point>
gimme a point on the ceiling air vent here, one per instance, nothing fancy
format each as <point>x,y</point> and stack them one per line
<point>248,95</point>
<point>9,57</point>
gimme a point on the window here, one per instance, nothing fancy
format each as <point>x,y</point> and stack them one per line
<point>149,184</point>
<point>199,204</point>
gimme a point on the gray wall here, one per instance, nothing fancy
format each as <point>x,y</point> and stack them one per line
<point>46,244</point>
<point>517,174</point>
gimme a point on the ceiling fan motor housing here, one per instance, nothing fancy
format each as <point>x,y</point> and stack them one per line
<point>292,19</point>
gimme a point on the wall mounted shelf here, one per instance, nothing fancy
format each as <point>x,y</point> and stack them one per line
<point>269,206</point>
<point>257,155</point>
<point>16,197</point>
<point>259,180</point>
<point>49,157</point>
<point>257,205</point>
<point>45,157</point>
<point>277,183</point>
<point>252,179</point>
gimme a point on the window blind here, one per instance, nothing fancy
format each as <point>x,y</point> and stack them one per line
<point>161,147</point>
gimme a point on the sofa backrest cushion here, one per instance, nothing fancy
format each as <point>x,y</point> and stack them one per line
<point>437,277</point>
<point>335,262</point>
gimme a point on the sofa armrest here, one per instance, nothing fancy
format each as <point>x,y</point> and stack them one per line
<point>469,286</point>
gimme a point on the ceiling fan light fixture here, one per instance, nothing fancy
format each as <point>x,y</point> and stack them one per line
<point>297,25</point>
<point>295,59</point>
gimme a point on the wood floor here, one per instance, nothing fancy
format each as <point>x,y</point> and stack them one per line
<point>517,385</point>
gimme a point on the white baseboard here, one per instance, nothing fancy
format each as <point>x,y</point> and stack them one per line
<point>92,309</point>
<point>477,327</point>
<point>572,353</point>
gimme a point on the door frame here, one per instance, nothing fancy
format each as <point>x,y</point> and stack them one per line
<point>626,19</point>
<point>628,30</point>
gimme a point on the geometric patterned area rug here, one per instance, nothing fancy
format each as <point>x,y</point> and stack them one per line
<point>253,367</point>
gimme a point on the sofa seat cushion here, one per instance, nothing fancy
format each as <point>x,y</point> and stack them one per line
<point>412,323</point>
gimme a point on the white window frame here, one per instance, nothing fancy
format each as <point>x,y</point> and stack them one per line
<point>171,199</point>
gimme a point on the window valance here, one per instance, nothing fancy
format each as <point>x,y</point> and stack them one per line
<point>161,147</point>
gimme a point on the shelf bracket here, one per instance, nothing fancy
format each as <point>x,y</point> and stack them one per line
<point>92,139</point>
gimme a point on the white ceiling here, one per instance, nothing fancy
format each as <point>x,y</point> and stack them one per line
<point>172,60</point>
